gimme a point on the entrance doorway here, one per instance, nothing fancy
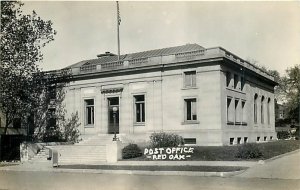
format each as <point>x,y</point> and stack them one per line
<point>113,115</point>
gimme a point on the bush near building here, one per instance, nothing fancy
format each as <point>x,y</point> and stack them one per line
<point>163,139</point>
<point>249,151</point>
<point>283,135</point>
<point>131,151</point>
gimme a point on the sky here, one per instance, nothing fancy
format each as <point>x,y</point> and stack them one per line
<point>267,32</point>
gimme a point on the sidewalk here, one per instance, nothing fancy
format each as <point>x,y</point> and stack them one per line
<point>281,167</point>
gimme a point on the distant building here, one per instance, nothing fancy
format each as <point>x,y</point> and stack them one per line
<point>281,112</point>
<point>208,96</point>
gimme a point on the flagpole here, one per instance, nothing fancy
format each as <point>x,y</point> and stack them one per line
<point>118,24</point>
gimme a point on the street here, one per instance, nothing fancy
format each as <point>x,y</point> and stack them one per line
<point>54,180</point>
<point>280,173</point>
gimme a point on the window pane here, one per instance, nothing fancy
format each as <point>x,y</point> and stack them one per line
<point>113,101</point>
<point>236,80</point>
<point>139,108</point>
<point>138,111</point>
<point>228,78</point>
<point>191,109</point>
<point>242,83</point>
<point>188,105</point>
<point>139,98</point>
<point>190,79</point>
<point>89,102</point>
<point>89,111</point>
<point>255,108</point>
<point>89,115</point>
<point>143,112</point>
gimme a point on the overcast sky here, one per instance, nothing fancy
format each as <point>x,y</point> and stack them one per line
<point>268,32</point>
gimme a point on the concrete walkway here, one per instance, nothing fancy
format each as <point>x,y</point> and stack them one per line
<point>284,167</point>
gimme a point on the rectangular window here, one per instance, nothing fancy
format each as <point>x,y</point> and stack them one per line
<point>236,81</point>
<point>228,78</point>
<point>190,109</point>
<point>265,138</point>
<point>244,115</point>
<point>239,139</point>
<point>89,111</point>
<point>268,111</point>
<point>237,112</point>
<point>245,140</point>
<point>229,111</point>
<point>139,102</point>
<point>262,110</point>
<point>257,139</point>
<point>189,140</point>
<point>231,141</point>
<point>51,118</point>
<point>255,108</point>
<point>242,83</point>
<point>271,137</point>
<point>190,79</point>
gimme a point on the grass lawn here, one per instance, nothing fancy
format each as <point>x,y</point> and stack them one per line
<point>227,153</point>
<point>157,168</point>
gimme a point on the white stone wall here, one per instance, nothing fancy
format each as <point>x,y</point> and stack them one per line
<point>164,99</point>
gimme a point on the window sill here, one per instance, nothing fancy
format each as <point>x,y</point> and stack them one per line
<point>189,87</point>
<point>139,124</point>
<point>236,90</point>
<point>190,122</point>
<point>89,126</point>
<point>236,123</point>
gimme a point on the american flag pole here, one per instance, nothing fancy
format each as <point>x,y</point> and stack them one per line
<point>118,24</point>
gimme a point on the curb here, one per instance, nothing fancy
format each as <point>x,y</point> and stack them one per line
<point>153,173</point>
<point>130,172</point>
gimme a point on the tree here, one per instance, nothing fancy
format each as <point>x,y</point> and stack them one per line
<point>48,112</point>
<point>290,86</point>
<point>21,82</point>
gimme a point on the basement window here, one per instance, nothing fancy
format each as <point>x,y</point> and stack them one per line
<point>257,139</point>
<point>231,141</point>
<point>245,140</point>
<point>239,139</point>
<point>189,140</point>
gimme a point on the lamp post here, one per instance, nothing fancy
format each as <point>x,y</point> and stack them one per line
<point>115,109</point>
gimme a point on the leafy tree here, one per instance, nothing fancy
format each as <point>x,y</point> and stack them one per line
<point>290,86</point>
<point>21,82</point>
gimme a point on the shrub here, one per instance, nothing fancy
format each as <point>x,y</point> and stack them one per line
<point>52,135</point>
<point>283,135</point>
<point>165,140</point>
<point>131,151</point>
<point>249,151</point>
<point>71,132</point>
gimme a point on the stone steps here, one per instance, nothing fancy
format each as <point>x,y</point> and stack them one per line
<point>92,149</point>
<point>41,156</point>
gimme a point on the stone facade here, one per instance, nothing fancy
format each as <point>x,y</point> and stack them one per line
<point>208,96</point>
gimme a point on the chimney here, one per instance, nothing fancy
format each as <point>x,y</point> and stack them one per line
<point>106,54</point>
